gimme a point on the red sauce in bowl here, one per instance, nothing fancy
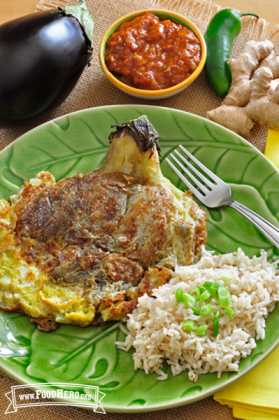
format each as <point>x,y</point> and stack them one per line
<point>151,53</point>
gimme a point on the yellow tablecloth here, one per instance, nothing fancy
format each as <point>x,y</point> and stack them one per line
<point>272,147</point>
<point>256,395</point>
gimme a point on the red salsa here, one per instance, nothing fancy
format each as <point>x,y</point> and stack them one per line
<point>152,53</point>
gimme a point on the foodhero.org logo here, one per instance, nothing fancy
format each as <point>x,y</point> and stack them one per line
<point>76,395</point>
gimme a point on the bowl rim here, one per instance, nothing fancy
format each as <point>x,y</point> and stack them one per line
<point>161,92</point>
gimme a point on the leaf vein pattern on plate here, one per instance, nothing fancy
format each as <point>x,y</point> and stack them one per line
<point>89,343</point>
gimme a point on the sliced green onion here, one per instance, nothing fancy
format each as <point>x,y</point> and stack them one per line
<point>230,312</point>
<point>202,289</point>
<point>189,300</point>
<point>217,285</point>
<point>212,291</point>
<point>226,276</point>
<point>202,330</point>
<point>190,325</point>
<point>216,327</point>
<point>195,292</point>
<point>216,315</point>
<point>205,310</point>
<point>204,296</point>
<point>195,310</point>
<point>179,295</point>
<point>207,284</point>
<point>216,323</point>
<point>224,297</point>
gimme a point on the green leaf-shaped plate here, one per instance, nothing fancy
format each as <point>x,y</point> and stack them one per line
<point>79,142</point>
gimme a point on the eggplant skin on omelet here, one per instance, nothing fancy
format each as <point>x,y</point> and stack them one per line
<point>83,250</point>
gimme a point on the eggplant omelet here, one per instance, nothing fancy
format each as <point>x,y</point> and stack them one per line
<point>82,250</point>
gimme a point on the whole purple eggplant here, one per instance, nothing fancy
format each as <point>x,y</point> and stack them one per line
<point>42,56</point>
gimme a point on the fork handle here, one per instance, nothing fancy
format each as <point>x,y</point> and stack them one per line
<point>267,228</point>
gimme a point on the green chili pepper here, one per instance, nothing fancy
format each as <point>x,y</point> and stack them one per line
<point>219,37</point>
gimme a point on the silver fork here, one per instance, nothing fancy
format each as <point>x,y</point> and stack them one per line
<point>216,193</point>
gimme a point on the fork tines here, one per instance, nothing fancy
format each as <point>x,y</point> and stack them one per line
<point>200,188</point>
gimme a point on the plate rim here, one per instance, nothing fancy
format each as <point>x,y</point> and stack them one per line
<point>150,408</point>
<point>185,400</point>
<point>21,137</point>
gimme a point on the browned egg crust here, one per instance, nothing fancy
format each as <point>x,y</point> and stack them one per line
<point>92,230</point>
<point>108,236</point>
<point>91,222</point>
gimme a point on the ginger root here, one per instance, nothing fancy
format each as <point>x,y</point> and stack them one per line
<point>254,94</point>
<point>234,118</point>
<point>242,68</point>
<point>264,102</point>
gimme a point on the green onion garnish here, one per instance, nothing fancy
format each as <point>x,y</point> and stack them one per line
<point>224,297</point>
<point>195,292</point>
<point>179,295</point>
<point>205,310</point>
<point>189,300</point>
<point>216,323</point>
<point>202,289</point>
<point>212,290</point>
<point>207,284</point>
<point>230,312</point>
<point>202,330</point>
<point>216,315</point>
<point>190,325</point>
<point>216,327</point>
<point>217,285</point>
<point>225,276</point>
<point>195,310</point>
<point>204,296</point>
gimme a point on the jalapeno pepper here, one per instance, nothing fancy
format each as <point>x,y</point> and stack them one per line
<point>219,37</point>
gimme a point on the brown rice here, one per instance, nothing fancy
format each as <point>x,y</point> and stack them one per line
<point>155,327</point>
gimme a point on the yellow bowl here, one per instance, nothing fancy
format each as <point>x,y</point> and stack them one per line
<point>153,94</point>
